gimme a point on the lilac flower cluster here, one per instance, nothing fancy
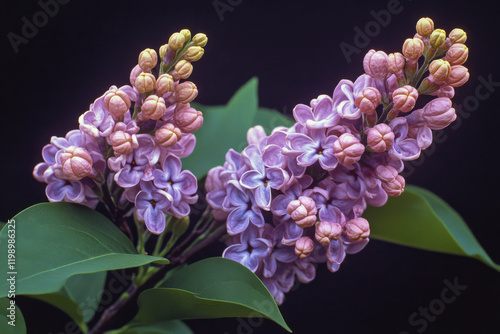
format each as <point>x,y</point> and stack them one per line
<point>127,150</point>
<point>296,197</point>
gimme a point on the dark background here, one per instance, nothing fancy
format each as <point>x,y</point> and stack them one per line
<point>293,48</point>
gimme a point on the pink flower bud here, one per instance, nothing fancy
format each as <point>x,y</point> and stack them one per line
<point>375,64</point>
<point>457,54</point>
<point>135,73</point>
<point>386,173</point>
<point>457,35</point>
<point>122,142</point>
<point>117,102</point>
<point>458,76</point>
<point>185,92</point>
<point>182,70</point>
<point>326,232</point>
<point>404,98</point>
<point>357,228</point>
<point>168,135</point>
<point>438,113</point>
<point>440,70</point>
<point>413,48</point>
<point>303,211</point>
<point>188,119</point>
<point>348,149</point>
<point>395,63</point>
<point>148,59</point>
<point>164,84</point>
<point>445,91</point>
<point>368,100</point>
<point>303,247</point>
<point>395,187</point>
<point>76,163</point>
<point>145,82</point>
<point>380,138</point>
<point>154,107</point>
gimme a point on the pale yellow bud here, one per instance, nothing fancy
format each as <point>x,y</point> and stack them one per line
<point>183,70</point>
<point>413,48</point>
<point>200,39</point>
<point>145,83</point>
<point>457,35</point>
<point>437,38</point>
<point>163,50</point>
<point>148,59</point>
<point>425,26</point>
<point>187,35</point>
<point>440,69</point>
<point>176,41</point>
<point>194,53</point>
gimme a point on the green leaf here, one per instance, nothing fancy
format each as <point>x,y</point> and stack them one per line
<point>15,317</point>
<point>79,297</point>
<point>211,288</point>
<point>162,327</point>
<point>224,127</point>
<point>418,218</point>
<point>270,118</point>
<point>54,241</point>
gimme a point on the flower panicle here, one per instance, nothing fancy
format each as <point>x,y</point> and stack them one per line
<point>127,150</point>
<point>296,196</point>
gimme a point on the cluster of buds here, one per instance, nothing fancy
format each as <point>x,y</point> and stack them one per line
<point>296,197</point>
<point>127,150</point>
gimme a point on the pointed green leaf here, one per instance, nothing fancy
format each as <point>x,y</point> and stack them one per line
<point>418,218</point>
<point>210,288</point>
<point>14,317</point>
<point>224,127</point>
<point>162,327</point>
<point>54,241</point>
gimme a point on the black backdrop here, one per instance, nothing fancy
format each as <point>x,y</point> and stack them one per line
<point>294,50</point>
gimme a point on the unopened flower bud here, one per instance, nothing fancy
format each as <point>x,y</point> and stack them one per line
<point>122,142</point>
<point>164,84</point>
<point>458,76</point>
<point>303,211</point>
<point>357,229</point>
<point>437,38</point>
<point>185,92</point>
<point>183,70</point>
<point>163,50</point>
<point>457,54</point>
<point>200,39</point>
<point>76,163</point>
<point>303,247</point>
<point>135,73</point>
<point>348,149</point>
<point>176,41</point>
<point>153,107</point>
<point>148,59</point>
<point>188,119</point>
<point>457,35</point>
<point>404,98</point>
<point>380,138</point>
<point>440,70</point>
<point>326,232</point>
<point>194,53</point>
<point>438,113</point>
<point>386,173</point>
<point>168,135</point>
<point>368,100</point>
<point>425,26</point>
<point>395,63</point>
<point>117,102</point>
<point>375,64</point>
<point>395,187</point>
<point>445,91</point>
<point>187,35</point>
<point>145,82</point>
<point>413,48</point>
